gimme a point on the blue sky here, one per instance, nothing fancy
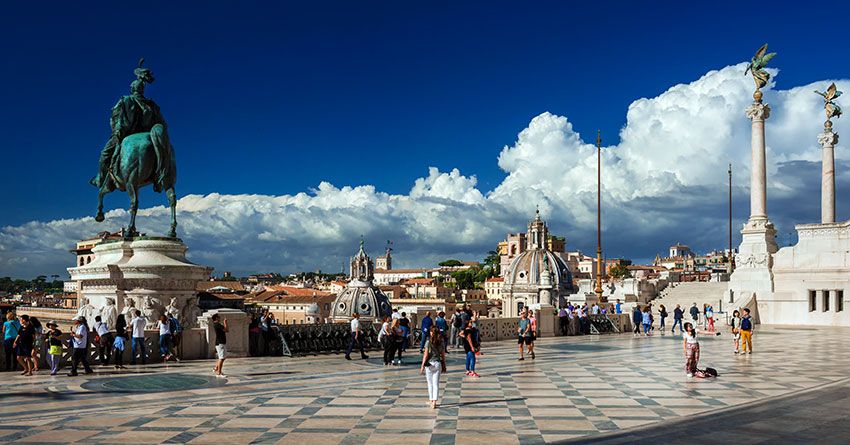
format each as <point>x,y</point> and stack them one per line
<point>274,98</point>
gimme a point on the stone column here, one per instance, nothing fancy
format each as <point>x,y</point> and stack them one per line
<point>827,140</point>
<point>758,113</point>
<point>752,277</point>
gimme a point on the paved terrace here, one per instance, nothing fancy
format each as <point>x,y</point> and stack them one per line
<point>608,389</point>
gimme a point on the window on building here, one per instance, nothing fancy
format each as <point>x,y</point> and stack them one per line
<point>839,300</point>
<point>825,296</point>
<point>812,300</point>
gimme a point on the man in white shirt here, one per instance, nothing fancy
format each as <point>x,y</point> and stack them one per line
<point>396,315</point>
<point>104,340</point>
<point>356,338</point>
<point>137,324</point>
<point>79,341</point>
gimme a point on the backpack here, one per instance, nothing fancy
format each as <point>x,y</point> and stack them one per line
<point>711,372</point>
<point>172,326</point>
<point>457,321</point>
<point>746,324</point>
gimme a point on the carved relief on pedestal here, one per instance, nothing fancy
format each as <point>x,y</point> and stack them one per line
<point>109,313</point>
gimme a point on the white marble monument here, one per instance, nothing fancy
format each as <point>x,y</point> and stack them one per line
<point>146,273</point>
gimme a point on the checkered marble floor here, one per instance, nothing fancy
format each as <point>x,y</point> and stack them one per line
<point>577,387</point>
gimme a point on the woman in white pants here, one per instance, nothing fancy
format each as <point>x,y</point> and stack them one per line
<point>433,363</point>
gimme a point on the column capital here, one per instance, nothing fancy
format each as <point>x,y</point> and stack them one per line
<point>828,138</point>
<point>758,111</point>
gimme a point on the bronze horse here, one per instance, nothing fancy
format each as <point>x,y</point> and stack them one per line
<point>142,159</point>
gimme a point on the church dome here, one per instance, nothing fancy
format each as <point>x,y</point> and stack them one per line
<point>537,266</point>
<point>362,298</point>
<point>360,295</point>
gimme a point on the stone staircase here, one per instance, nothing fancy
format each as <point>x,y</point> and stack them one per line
<point>686,294</point>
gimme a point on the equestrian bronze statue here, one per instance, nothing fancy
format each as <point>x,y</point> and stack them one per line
<point>138,153</point>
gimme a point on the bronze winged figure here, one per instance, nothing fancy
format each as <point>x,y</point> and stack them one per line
<point>757,64</point>
<point>829,96</point>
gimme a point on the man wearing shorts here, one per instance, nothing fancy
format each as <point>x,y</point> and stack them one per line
<point>220,328</point>
<point>524,333</point>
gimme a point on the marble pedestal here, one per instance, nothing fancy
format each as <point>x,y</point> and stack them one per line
<point>237,331</point>
<point>145,273</point>
<point>753,276</point>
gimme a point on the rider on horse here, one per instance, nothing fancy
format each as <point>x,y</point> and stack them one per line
<point>132,114</point>
<point>138,152</point>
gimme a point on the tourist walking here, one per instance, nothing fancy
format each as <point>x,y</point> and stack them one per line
<point>441,324</point>
<point>532,319</point>
<point>79,343</point>
<point>457,323</point>
<point>384,338</point>
<point>164,338</point>
<point>54,346</point>
<point>398,339</point>
<point>662,314</point>
<point>469,348</point>
<point>709,318</point>
<point>404,322</point>
<point>735,324</point>
<point>433,363</point>
<point>103,340</point>
<point>220,328</point>
<point>137,324</point>
<point>356,338</point>
<point>618,307</point>
<point>523,333</point>
<point>120,342</point>
<point>646,320</point>
<point>10,332</point>
<point>678,315</point>
<point>637,319</point>
<point>691,346</point>
<point>563,319</point>
<point>425,329</point>
<point>23,344</point>
<point>695,313</point>
<point>177,336</point>
<point>38,342</point>
<point>747,332</point>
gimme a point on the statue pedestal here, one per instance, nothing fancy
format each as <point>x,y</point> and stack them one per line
<point>753,275</point>
<point>145,273</point>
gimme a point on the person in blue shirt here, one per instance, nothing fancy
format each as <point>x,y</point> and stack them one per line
<point>619,307</point>
<point>427,322</point>
<point>11,328</point>
<point>646,320</point>
<point>443,326</point>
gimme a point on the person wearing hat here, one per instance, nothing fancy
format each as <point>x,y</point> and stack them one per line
<point>79,341</point>
<point>54,346</point>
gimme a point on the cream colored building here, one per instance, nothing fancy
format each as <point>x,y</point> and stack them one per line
<point>493,287</point>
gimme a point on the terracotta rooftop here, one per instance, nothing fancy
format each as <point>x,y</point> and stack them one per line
<point>234,285</point>
<point>495,280</point>
<point>280,297</point>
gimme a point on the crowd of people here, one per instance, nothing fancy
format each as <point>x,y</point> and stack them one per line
<point>30,344</point>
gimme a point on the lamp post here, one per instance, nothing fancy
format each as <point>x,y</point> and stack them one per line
<point>731,255</point>
<point>599,263</point>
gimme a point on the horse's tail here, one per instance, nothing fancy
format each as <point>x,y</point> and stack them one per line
<point>166,170</point>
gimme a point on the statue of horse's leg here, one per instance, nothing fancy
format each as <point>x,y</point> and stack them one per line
<point>172,202</point>
<point>99,217</point>
<point>134,206</point>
